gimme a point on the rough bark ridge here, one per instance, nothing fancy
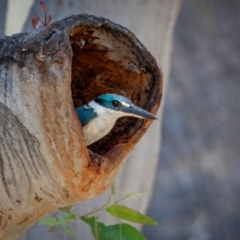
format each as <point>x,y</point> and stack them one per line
<point>44,163</point>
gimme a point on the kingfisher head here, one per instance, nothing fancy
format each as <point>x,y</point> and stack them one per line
<point>99,116</point>
<point>119,106</point>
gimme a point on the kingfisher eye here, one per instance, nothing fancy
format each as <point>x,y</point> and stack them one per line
<point>115,103</point>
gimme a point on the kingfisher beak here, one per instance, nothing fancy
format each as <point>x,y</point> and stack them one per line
<point>135,111</point>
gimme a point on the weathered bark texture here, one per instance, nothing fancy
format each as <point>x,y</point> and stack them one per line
<point>44,163</point>
<point>152,21</point>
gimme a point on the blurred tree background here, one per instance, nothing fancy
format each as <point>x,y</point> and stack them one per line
<point>197,189</point>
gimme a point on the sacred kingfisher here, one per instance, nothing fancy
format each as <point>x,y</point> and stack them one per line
<point>99,116</point>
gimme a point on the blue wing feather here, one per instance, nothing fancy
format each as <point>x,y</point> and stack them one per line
<point>85,114</point>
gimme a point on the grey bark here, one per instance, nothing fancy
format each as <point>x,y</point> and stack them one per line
<point>152,22</point>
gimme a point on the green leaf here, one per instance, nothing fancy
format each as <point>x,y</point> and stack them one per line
<point>48,221</point>
<point>70,216</point>
<point>135,195</point>
<point>113,190</point>
<point>66,209</point>
<point>52,221</point>
<point>123,212</point>
<point>66,229</point>
<point>121,231</point>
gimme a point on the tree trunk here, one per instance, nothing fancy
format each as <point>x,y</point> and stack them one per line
<point>44,163</point>
<point>197,187</point>
<point>153,23</point>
